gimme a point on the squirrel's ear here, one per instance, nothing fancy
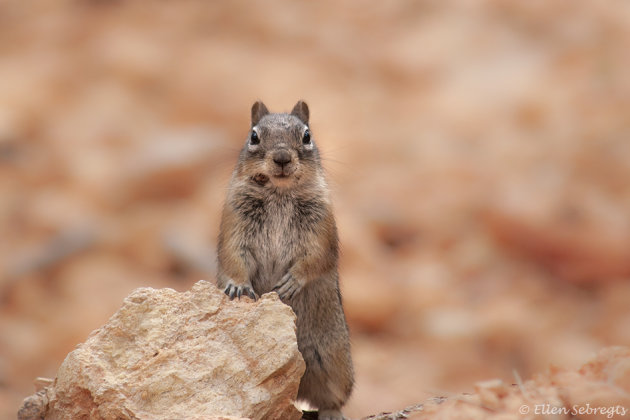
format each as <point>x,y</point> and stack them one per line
<point>300,110</point>
<point>259,110</point>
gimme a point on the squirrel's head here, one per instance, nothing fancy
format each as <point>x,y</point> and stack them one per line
<point>280,151</point>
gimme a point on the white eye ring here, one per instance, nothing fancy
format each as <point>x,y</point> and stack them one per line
<point>307,142</point>
<point>254,140</point>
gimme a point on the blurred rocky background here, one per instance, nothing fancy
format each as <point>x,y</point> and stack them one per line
<point>478,152</point>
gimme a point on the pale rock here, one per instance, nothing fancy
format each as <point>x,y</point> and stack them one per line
<point>192,355</point>
<point>599,390</point>
<point>491,392</point>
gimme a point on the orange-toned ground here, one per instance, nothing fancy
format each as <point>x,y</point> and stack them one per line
<point>479,155</point>
<point>598,390</point>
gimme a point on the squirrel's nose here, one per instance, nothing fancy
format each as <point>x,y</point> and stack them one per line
<point>282,157</point>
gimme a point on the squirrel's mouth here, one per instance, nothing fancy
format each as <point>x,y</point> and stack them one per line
<point>284,172</point>
<point>284,177</point>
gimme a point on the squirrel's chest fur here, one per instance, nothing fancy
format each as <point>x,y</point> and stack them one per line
<point>277,229</point>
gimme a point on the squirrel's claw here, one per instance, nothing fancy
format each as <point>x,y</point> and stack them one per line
<point>287,287</point>
<point>237,291</point>
<point>230,291</point>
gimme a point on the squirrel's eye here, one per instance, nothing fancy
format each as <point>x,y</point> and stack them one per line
<point>306,139</point>
<point>254,139</point>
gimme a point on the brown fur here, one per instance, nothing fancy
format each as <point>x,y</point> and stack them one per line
<point>278,233</point>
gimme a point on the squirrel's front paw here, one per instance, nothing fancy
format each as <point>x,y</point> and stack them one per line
<point>233,291</point>
<point>288,286</point>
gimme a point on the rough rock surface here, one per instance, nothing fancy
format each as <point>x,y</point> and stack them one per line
<point>600,389</point>
<point>187,355</point>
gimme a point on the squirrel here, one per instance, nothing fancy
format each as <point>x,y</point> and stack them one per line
<point>278,233</point>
